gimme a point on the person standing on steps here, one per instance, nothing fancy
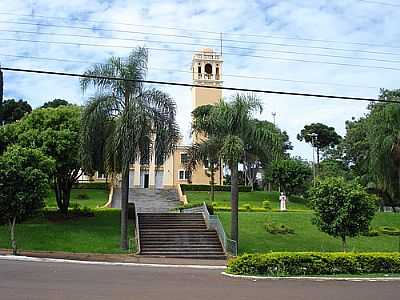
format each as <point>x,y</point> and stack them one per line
<point>282,199</point>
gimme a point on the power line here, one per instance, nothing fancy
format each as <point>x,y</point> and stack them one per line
<point>199,45</point>
<point>214,32</point>
<point>380,3</point>
<point>191,51</point>
<point>182,71</point>
<point>199,86</point>
<point>208,39</point>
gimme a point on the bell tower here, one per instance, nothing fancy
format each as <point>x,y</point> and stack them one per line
<point>207,71</point>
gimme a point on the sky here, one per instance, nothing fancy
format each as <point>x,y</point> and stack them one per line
<point>342,47</point>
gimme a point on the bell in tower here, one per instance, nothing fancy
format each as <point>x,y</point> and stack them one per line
<point>206,70</point>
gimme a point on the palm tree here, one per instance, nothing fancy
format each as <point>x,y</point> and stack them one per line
<point>124,121</point>
<point>207,153</point>
<point>232,123</point>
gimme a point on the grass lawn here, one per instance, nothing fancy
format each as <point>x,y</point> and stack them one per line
<point>255,199</point>
<point>254,238</point>
<point>100,234</point>
<point>96,198</point>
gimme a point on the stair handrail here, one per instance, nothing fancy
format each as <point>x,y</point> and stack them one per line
<point>213,222</point>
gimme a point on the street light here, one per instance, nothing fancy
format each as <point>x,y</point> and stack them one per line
<point>313,138</point>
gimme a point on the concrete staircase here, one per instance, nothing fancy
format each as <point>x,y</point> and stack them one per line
<point>182,235</point>
<point>148,200</point>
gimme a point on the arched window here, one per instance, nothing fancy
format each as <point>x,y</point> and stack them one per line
<point>208,69</point>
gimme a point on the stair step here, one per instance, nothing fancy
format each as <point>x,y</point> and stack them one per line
<point>193,256</point>
<point>181,248</point>
<point>200,245</point>
<point>162,253</point>
<point>179,230</point>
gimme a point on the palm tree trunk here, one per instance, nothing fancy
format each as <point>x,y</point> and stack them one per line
<point>12,237</point>
<point>124,207</point>
<point>344,243</point>
<point>234,203</point>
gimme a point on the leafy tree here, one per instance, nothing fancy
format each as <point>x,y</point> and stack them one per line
<point>55,103</point>
<point>325,137</point>
<point>342,209</point>
<point>255,158</point>
<point>12,110</point>
<point>233,124</point>
<point>383,138</point>
<point>334,168</point>
<point>356,147</point>
<point>124,121</point>
<point>23,185</point>
<point>54,131</point>
<point>207,154</point>
<point>291,175</point>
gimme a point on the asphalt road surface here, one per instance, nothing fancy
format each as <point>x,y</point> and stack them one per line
<point>41,280</point>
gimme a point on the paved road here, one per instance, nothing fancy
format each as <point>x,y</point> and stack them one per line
<point>39,280</point>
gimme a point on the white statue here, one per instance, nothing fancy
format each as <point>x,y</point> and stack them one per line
<point>282,199</point>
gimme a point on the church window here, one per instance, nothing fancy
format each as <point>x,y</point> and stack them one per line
<point>208,69</point>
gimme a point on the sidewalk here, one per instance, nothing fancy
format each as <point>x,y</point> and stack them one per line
<point>120,258</point>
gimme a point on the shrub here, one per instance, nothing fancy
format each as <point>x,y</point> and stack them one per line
<point>241,209</point>
<point>371,232</point>
<point>210,209</point>
<point>389,230</point>
<point>82,196</point>
<point>314,263</point>
<point>222,208</point>
<point>217,188</point>
<point>92,186</point>
<point>266,204</point>
<point>247,207</point>
<point>278,228</point>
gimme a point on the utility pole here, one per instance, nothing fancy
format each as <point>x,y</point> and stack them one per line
<point>1,96</point>
<point>274,115</point>
<point>313,137</point>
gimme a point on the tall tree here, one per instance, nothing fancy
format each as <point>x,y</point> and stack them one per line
<point>383,138</point>
<point>12,110</point>
<point>55,103</point>
<point>121,119</point>
<point>234,125</point>
<point>320,136</point>
<point>291,175</point>
<point>356,147</point>
<point>56,132</point>
<point>24,178</point>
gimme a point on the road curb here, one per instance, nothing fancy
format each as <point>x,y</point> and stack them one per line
<point>313,278</point>
<point>85,262</point>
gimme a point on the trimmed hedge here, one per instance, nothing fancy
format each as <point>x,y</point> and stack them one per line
<point>314,263</point>
<point>91,186</point>
<point>217,188</point>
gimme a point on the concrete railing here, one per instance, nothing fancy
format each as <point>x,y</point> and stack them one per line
<point>137,231</point>
<point>181,195</point>
<point>213,222</point>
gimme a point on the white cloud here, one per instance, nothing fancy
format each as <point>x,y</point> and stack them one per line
<point>345,20</point>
